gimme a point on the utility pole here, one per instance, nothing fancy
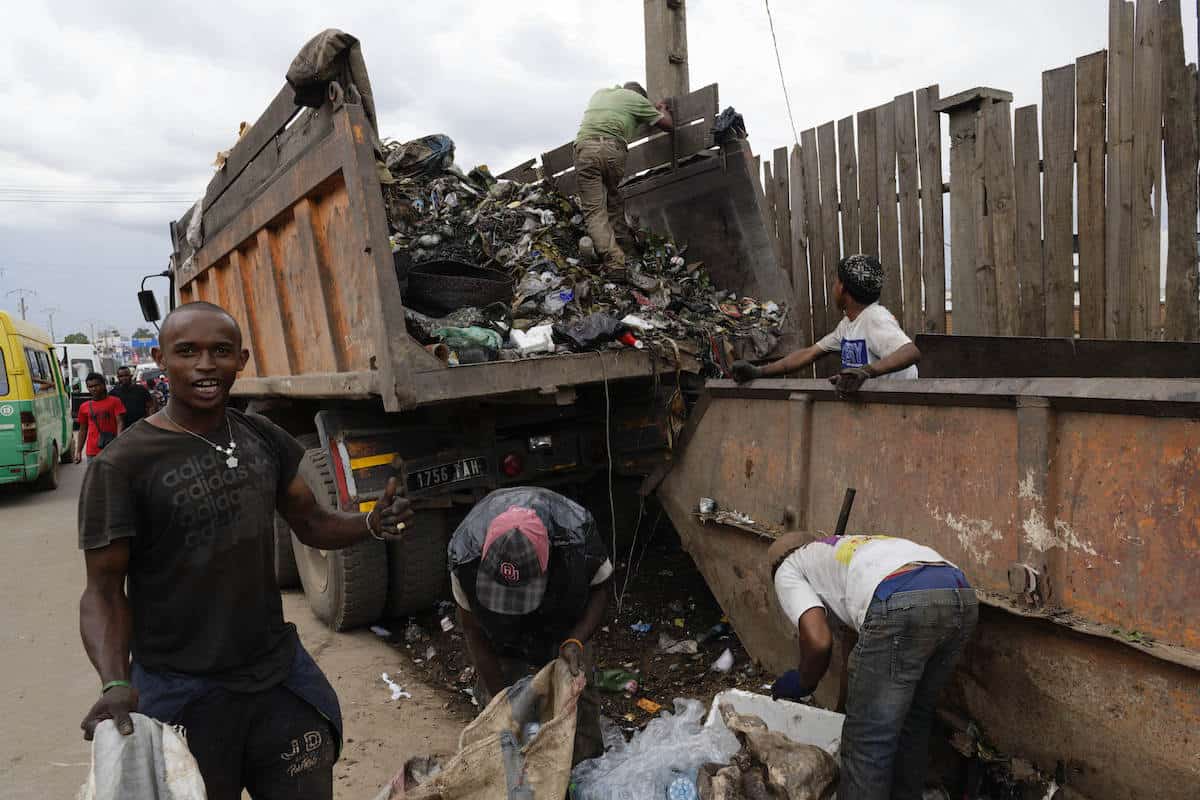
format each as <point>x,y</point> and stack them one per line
<point>666,48</point>
<point>21,294</point>
<point>50,312</point>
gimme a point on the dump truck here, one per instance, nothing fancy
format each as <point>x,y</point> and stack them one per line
<point>1059,474</point>
<point>292,238</point>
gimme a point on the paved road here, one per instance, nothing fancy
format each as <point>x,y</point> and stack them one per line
<point>49,683</point>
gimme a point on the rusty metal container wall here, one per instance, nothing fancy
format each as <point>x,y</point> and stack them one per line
<point>1109,514</point>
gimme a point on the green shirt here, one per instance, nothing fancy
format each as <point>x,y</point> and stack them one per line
<point>616,112</point>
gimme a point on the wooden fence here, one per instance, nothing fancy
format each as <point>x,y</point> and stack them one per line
<point>1058,242</point>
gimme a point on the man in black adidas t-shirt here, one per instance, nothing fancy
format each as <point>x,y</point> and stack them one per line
<point>183,507</point>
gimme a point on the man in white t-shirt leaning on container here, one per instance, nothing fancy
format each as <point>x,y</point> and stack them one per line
<point>872,344</point>
<point>911,613</point>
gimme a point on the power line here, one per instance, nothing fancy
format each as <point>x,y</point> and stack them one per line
<point>779,62</point>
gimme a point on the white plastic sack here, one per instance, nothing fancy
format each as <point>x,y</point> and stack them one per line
<point>670,747</point>
<point>152,763</point>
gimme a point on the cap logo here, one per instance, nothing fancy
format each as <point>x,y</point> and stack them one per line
<point>509,572</point>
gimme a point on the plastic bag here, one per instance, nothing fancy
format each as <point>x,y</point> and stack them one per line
<point>670,747</point>
<point>539,339</point>
<point>152,763</point>
<point>728,126</point>
<point>588,332</point>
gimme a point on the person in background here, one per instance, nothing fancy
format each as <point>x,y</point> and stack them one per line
<point>101,419</point>
<point>601,145</point>
<point>138,401</point>
<point>531,578</point>
<point>870,340</point>
<point>181,615</point>
<point>910,613</point>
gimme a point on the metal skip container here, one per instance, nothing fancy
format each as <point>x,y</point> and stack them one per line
<point>1072,504</point>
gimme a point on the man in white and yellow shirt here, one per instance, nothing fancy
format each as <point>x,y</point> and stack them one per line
<point>912,612</point>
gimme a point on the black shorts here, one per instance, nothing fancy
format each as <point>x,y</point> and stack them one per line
<point>271,743</point>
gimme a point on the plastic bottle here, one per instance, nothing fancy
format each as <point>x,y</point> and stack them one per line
<point>682,788</point>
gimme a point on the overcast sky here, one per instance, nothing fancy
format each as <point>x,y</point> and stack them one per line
<point>124,104</point>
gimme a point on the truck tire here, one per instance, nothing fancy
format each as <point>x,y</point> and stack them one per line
<point>286,574</point>
<point>345,588</point>
<point>417,565</point>
<point>48,480</point>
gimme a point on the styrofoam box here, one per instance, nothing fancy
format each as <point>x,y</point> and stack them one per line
<point>800,723</point>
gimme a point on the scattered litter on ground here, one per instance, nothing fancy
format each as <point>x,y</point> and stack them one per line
<point>676,647</point>
<point>453,233</point>
<point>397,690</point>
<point>640,627</point>
<point>381,631</point>
<point>648,705</point>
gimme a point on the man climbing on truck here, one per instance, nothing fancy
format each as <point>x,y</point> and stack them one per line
<point>183,509</point>
<point>871,342</point>
<point>601,145</point>
<point>531,578</point>
<point>911,613</point>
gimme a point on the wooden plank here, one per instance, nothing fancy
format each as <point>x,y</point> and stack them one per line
<point>889,225</point>
<point>801,303</point>
<point>278,113</point>
<point>848,163</point>
<point>910,212</point>
<point>868,185</point>
<point>985,258</point>
<point>320,292</point>
<point>783,211</point>
<point>1031,319</point>
<point>1002,211</point>
<point>768,182</point>
<point>1118,231</point>
<point>258,281</point>
<point>1181,320</point>
<point>661,150</point>
<point>1058,155</point>
<point>816,235</point>
<point>1147,168</point>
<point>965,196</point>
<point>830,239</point>
<point>241,312</point>
<point>1091,79</point>
<point>1030,357</point>
<point>933,235</point>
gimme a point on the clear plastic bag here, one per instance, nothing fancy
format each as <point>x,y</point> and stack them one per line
<point>672,746</point>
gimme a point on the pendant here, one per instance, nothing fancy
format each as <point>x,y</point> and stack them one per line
<point>231,462</point>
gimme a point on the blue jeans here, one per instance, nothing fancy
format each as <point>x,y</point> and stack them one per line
<point>906,652</point>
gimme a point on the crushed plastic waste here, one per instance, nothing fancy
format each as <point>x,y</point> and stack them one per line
<point>672,647</point>
<point>396,689</point>
<point>532,234</point>
<point>724,662</point>
<point>648,705</point>
<point>640,627</point>
<point>671,747</point>
<point>616,680</point>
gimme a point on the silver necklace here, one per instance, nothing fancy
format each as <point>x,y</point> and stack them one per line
<point>231,460</point>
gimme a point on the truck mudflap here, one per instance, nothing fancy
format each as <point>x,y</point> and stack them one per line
<point>1070,503</point>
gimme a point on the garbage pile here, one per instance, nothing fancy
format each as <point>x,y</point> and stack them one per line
<point>738,756</point>
<point>497,269</point>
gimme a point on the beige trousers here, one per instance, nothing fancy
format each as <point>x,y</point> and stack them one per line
<point>599,168</point>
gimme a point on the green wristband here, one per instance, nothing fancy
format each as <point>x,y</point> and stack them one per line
<point>114,684</point>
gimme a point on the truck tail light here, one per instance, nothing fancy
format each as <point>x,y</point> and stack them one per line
<point>512,465</point>
<point>28,427</point>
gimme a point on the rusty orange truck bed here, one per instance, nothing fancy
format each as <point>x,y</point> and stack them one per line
<point>1072,504</point>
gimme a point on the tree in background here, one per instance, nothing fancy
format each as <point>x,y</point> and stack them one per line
<point>75,338</point>
<point>143,333</point>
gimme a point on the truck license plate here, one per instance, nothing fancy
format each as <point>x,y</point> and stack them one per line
<point>464,470</point>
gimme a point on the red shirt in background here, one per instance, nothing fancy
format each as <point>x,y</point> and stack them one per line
<point>99,415</point>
